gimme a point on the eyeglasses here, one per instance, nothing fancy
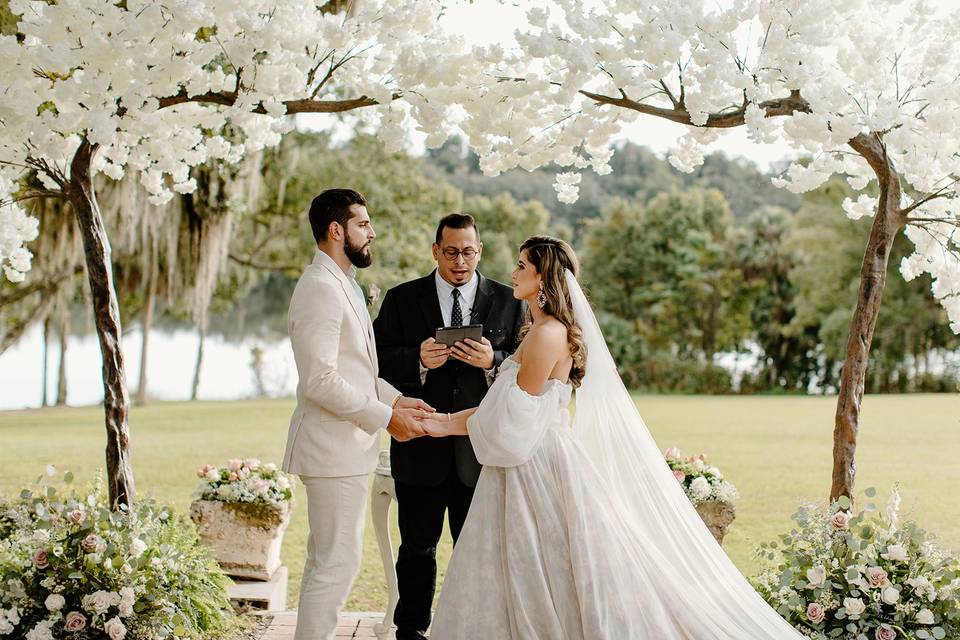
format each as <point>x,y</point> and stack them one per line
<point>451,254</point>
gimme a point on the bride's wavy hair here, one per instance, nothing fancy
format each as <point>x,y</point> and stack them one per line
<point>551,257</point>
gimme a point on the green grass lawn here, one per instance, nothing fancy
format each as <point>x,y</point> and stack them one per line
<point>775,449</point>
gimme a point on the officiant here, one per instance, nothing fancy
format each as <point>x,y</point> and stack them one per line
<point>437,476</point>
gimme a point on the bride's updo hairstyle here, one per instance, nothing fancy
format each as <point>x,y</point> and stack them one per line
<point>551,257</point>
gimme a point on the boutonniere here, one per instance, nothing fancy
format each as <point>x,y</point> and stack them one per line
<point>373,294</point>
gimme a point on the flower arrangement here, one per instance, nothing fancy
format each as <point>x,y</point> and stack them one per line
<point>863,576</point>
<point>72,568</point>
<point>246,480</point>
<point>701,481</point>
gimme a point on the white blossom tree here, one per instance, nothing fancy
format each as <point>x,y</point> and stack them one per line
<point>150,87</point>
<point>866,89</point>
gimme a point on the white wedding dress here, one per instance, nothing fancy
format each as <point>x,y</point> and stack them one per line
<point>579,531</point>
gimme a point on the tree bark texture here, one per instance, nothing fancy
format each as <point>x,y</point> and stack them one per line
<point>873,277</point>
<point>62,369</point>
<point>106,315</point>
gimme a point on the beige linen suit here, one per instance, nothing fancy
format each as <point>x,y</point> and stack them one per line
<point>334,433</point>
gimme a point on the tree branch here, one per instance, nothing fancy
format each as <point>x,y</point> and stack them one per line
<point>46,287</point>
<point>723,120</point>
<point>246,262</point>
<point>228,99</point>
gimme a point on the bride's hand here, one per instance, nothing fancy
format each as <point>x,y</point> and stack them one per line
<point>436,426</point>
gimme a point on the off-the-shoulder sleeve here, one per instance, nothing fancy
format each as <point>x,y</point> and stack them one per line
<point>509,424</point>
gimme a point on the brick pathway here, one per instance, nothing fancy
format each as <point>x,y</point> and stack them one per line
<point>351,625</point>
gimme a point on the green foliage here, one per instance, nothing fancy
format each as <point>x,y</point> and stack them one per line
<point>838,574</point>
<point>67,559</point>
<point>504,225</point>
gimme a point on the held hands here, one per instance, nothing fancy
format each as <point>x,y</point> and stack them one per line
<point>405,422</point>
<point>478,354</point>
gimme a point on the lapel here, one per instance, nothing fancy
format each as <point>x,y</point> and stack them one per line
<point>363,317</point>
<point>430,303</point>
<point>481,304</point>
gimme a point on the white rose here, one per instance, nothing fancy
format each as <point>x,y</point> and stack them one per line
<point>816,576</point>
<point>54,602</point>
<point>115,629</point>
<point>925,616</point>
<point>890,595</point>
<point>137,547</point>
<point>213,474</point>
<point>41,535</point>
<point>270,467</point>
<point>5,627</point>
<point>854,606</point>
<point>283,483</point>
<point>897,553</point>
<point>41,631</point>
<point>13,615</point>
<point>97,602</point>
<point>127,600</point>
<point>700,488</point>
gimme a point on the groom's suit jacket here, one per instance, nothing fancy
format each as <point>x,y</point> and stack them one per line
<point>341,402</point>
<point>409,315</point>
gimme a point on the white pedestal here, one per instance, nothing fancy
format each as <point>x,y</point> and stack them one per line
<point>256,594</point>
<point>382,493</point>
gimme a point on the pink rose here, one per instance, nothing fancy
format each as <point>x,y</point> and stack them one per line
<point>840,520</point>
<point>92,543</point>
<point>261,486</point>
<point>252,463</point>
<point>679,475</point>
<point>40,559</point>
<point>816,612</point>
<point>885,633</point>
<point>75,621</point>
<point>672,453</point>
<point>877,577</point>
<point>233,477</point>
<point>204,470</point>
<point>234,464</point>
<point>77,516</point>
<point>703,457</point>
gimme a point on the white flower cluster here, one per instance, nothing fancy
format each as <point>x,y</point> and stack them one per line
<point>847,575</point>
<point>700,481</point>
<point>881,68</point>
<point>126,76</point>
<point>247,480</point>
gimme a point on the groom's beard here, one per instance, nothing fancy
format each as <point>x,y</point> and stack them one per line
<point>356,254</point>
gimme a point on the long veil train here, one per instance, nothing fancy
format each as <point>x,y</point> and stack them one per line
<point>667,535</point>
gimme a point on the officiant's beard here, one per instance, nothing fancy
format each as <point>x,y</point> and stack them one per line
<point>359,256</point>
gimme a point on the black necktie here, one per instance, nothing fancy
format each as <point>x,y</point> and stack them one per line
<point>456,318</point>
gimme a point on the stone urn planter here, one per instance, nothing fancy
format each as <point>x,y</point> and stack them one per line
<point>245,537</point>
<point>718,515</point>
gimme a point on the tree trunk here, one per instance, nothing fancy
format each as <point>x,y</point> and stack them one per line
<point>46,359</point>
<point>873,276</point>
<point>199,364</point>
<point>147,323</point>
<point>106,315</point>
<point>62,369</point>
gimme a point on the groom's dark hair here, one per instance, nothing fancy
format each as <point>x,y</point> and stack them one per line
<point>333,205</point>
<point>457,221</point>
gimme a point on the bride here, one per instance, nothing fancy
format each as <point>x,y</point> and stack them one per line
<point>578,530</point>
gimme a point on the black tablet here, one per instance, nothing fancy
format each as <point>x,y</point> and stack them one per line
<point>450,335</point>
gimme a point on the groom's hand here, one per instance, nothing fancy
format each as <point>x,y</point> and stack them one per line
<point>405,423</point>
<point>404,402</point>
<point>479,354</point>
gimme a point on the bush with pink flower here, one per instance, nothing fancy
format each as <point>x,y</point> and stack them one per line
<point>862,576</point>
<point>244,480</point>
<point>70,568</point>
<point>701,481</point>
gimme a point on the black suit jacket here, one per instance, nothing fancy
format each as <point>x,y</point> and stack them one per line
<point>410,313</point>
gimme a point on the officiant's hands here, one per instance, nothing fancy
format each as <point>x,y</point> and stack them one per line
<point>433,354</point>
<point>476,353</point>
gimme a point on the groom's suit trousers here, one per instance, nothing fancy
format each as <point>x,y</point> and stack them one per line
<point>336,508</point>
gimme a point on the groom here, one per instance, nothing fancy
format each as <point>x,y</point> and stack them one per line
<point>434,476</point>
<point>341,406</point>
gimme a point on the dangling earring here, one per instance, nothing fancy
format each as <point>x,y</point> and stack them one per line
<point>541,297</point>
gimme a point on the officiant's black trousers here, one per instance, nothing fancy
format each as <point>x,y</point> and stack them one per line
<point>420,513</point>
